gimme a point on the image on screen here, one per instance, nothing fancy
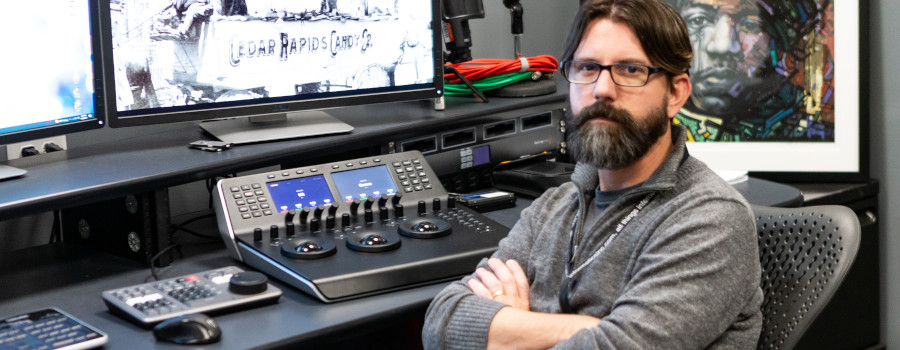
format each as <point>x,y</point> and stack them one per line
<point>305,192</point>
<point>182,55</point>
<point>364,183</point>
<point>48,68</point>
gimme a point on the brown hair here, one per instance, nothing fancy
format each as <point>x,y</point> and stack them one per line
<point>661,31</point>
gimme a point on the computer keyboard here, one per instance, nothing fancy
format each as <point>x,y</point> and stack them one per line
<point>48,328</point>
<point>211,292</point>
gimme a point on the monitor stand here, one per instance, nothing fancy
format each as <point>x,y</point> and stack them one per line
<point>8,172</point>
<point>272,127</point>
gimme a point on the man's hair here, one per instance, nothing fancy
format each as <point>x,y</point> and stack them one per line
<point>661,31</point>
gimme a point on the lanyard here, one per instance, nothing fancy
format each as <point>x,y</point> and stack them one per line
<point>621,226</point>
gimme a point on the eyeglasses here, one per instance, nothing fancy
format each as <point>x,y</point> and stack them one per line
<point>623,74</point>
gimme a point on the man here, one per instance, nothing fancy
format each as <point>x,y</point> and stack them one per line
<point>759,70</point>
<point>645,247</point>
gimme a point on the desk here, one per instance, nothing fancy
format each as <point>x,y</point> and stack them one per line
<point>72,278</point>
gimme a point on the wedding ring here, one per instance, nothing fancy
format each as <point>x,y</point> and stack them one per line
<point>497,293</point>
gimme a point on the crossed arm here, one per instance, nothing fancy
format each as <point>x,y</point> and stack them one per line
<point>516,326</point>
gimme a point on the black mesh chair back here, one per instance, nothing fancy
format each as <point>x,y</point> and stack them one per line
<point>805,253</point>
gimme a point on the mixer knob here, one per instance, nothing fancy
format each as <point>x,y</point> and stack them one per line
<point>354,206</point>
<point>382,200</point>
<point>369,217</point>
<point>345,220</point>
<point>273,232</point>
<point>304,214</point>
<point>368,203</point>
<point>289,229</point>
<point>398,210</point>
<point>396,198</point>
<point>257,234</point>
<point>422,208</point>
<point>383,213</point>
<point>436,204</point>
<point>314,224</point>
<point>332,210</point>
<point>329,222</point>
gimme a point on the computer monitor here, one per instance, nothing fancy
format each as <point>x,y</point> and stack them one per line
<point>261,70</point>
<point>48,72</point>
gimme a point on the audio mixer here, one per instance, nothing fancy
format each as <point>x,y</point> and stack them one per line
<point>353,228</point>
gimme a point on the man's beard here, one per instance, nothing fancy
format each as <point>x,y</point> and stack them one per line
<point>614,145</point>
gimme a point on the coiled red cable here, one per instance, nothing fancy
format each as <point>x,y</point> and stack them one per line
<point>488,67</point>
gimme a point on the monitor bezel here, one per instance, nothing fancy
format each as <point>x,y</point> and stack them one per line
<point>271,106</point>
<point>99,99</point>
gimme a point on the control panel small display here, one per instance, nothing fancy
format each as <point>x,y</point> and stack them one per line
<point>364,183</point>
<point>299,193</point>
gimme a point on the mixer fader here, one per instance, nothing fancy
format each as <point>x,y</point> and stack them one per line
<point>353,228</point>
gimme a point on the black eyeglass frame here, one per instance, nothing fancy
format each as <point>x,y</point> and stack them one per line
<point>564,68</point>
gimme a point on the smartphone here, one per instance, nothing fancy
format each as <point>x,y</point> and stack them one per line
<point>48,328</point>
<point>210,146</point>
<point>488,201</point>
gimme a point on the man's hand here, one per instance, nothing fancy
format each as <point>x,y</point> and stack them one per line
<point>505,282</point>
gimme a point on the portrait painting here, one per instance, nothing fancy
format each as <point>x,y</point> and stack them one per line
<point>769,79</point>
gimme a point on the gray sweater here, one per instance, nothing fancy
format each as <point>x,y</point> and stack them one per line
<point>683,274</point>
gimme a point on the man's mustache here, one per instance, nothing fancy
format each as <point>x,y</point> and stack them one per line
<point>603,110</point>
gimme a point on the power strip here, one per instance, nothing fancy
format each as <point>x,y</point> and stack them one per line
<point>14,150</point>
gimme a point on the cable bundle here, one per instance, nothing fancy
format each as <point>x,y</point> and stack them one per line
<point>492,73</point>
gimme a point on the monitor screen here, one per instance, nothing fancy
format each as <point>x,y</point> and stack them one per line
<point>48,70</point>
<point>304,192</point>
<point>173,61</point>
<point>364,183</point>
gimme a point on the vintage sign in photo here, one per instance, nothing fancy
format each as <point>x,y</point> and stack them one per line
<point>189,52</point>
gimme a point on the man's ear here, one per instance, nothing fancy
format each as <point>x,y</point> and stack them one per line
<point>680,92</point>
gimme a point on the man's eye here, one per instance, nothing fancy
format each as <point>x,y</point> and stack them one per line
<point>751,24</point>
<point>586,67</point>
<point>629,69</point>
<point>698,21</point>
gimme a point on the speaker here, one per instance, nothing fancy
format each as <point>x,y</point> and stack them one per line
<point>135,226</point>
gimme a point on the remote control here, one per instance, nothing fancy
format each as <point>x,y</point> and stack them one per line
<point>213,291</point>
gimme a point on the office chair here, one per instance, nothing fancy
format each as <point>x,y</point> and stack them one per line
<point>805,253</point>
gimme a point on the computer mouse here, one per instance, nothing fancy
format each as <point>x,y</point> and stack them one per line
<point>188,329</point>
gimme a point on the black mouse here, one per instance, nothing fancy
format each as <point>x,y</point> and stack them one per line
<point>188,329</point>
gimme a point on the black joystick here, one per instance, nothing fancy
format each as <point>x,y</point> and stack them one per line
<point>273,232</point>
<point>422,208</point>
<point>368,203</point>
<point>398,210</point>
<point>436,204</point>
<point>332,210</point>
<point>382,213</point>
<point>304,214</point>
<point>314,224</point>
<point>289,229</point>
<point>289,216</point>
<point>382,200</point>
<point>451,202</point>
<point>329,222</point>
<point>257,234</point>
<point>345,220</point>
<point>248,282</point>
<point>354,206</point>
<point>369,216</point>
<point>396,198</point>
<point>317,213</point>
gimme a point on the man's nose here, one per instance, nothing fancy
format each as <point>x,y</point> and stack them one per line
<point>604,87</point>
<point>724,38</point>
